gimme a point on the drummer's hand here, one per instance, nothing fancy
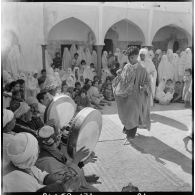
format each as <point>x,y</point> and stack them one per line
<point>80,155</point>
<point>91,159</point>
<point>51,122</point>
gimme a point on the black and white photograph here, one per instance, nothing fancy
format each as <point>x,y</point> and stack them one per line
<point>97,97</point>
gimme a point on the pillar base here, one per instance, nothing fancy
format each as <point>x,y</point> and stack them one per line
<point>99,59</point>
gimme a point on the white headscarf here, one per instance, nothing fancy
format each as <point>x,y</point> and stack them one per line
<point>188,56</point>
<point>181,64</point>
<point>165,70</point>
<point>176,66</point>
<point>66,62</point>
<point>8,115</point>
<point>170,55</point>
<point>94,58</point>
<point>6,77</point>
<point>23,150</point>
<point>88,57</point>
<point>105,60</point>
<point>73,50</point>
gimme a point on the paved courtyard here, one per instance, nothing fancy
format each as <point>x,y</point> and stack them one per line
<point>155,160</point>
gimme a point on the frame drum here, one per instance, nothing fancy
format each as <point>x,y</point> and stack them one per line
<point>62,109</point>
<point>85,131</point>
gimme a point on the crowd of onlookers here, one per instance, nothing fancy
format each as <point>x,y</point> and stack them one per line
<point>33,153</point>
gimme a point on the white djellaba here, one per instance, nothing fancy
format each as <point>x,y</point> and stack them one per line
<point>66,60</point>
<point>181,65</point>
<point>165,70</point>
<point>94,59</point>
<point>188,56</point>
<point>176,67</point>
<point>73,50</point>
<point>14,62</point>
<point>88,57</point>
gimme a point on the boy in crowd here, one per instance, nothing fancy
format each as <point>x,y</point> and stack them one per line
<point>177,96</point>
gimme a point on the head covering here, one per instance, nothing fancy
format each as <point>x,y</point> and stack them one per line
<point>8,115</point>
<point>46,131</point>
<point>158,51</point>
<point>151,54</point>
<point>6,77</point>
<point>188,57</point>
<point>23,150</point>
<point>31,100</point>
<point>170,55</point>
<point>143,51</point>
<point>22,76</point>
<point>24,108</point>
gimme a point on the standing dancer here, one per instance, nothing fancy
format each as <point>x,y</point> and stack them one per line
<point>132,89</point>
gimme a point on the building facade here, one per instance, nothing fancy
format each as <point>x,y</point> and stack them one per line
<point>51,26</point>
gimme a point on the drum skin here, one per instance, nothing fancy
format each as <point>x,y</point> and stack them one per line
<point>62,109</point>
<point>85,131</point>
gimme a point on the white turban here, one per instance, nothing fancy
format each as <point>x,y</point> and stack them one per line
<point>23,150</point>
<point>31,100</point>
<point>158,51</point>
<point>8,115</point>
<point>46,131</point>
<point>24,108</point>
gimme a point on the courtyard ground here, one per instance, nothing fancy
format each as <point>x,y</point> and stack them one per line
<point>155,160</point>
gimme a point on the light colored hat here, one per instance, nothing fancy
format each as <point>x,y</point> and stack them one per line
<point>23,150</point>
<point>46,131</point>
<point>8,115</point>
<point>31,100</point>
<point>24,108</point>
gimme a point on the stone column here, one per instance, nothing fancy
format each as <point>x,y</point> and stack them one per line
<point>99,59</point>
<point>43,55</point>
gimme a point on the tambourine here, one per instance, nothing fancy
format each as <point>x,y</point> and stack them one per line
<point>62,109</point>
<point>85,127</point>
<point>85,131</point>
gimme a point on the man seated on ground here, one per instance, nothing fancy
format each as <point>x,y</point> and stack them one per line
<point>22,88</point>
<point>37,119</point>
<point>8,125</point>
<point>15,101</point>
<point>95,96</point>
<point>187,89</point>
<point>23,117</point>
<point>82,100</point>
<point>108,92</point>
<point>177,96</point>
<point>43,101</point>
<point>53,157</point>
<point>23,175</point>
<point>164,92</point>
<point>42,78</point>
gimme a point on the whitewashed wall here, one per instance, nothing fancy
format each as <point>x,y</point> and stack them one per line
<point>26,20</point>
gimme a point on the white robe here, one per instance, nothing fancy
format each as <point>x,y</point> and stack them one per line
<point>66,61</point>
<point>14,62</point>
<point>188,56</point>
<point>73,50</point>
<point>94,59</point>
<point>18,181</point>
<point>175,67</point>
<point>161,96</point>
<point>165,69</point>
<point>88,57</point>
<point>181,65</point>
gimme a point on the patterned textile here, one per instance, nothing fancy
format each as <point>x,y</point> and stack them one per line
<point>123,84</point>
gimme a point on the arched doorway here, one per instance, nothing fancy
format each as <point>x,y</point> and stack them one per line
<point>67,32</point>
<point>171,37</point>
<point>122,34</point>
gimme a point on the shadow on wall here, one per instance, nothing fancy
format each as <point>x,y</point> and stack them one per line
<point>160,151</point>
<point>168,121</point>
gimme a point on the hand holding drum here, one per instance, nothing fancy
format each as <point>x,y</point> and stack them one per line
<point>85,127</point>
